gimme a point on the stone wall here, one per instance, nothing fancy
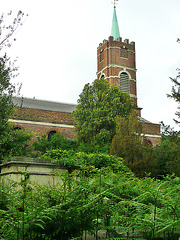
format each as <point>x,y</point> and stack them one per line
<point>41,171</point>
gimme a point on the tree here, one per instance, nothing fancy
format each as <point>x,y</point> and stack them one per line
<point>6,92</point>
<point>175,91</point>
<point>9,140</point>
<point>167,152</point>
<point>97,108</point>
<point>7,31</point>
<point>175,94</point>
<point>132,146</point>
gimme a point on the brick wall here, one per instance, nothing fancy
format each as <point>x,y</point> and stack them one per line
<point>114,57</point>
<point>28,121</point>
<point>43,121</point>
<point>43,116</point>
<point>154,140</point>
<point>151,128</point>
<point>39,129</point>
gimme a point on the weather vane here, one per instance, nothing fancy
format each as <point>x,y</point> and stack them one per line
<point>115,2</point>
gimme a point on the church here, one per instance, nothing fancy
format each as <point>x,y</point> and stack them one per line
<point>116,63</point>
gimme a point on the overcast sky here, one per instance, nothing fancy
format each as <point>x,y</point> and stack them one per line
<point>57,48</point>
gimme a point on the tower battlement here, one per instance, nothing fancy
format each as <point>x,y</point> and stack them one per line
<point>111,39</point>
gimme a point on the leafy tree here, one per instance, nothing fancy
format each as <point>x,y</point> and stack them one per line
<point>6,91</point>
<point>97,108</point>
<point>167,152</point>
<point>175,94</point>
<point>175,91</point>
<point>132,146</point>
<point>11,142</point>
<point>8,138</point>
<point>7,68</point>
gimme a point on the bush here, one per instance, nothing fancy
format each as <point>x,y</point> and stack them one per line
<point>98,160</point>
<point>15,143</point>
<point>57,141</point>
<point>62,157</point>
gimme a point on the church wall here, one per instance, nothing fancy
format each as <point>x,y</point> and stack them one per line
<point>133,88</point>
<point>43,116</point>
<point>152,131</point>
<point>151,128</point>
<point>38,129</point>
<point>155,140</point>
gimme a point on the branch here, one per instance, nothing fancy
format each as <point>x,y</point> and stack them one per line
<point>12,28</point>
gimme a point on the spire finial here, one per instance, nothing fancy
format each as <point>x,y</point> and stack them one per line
<point>115,3</point>
<point>115,28</point>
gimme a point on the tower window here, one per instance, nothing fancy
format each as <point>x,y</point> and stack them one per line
<point>124,82</point>
<point>102,76</point>
<point>101,55</point>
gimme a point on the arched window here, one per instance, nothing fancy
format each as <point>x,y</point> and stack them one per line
<point>102,76</point>
<point>50,134</point>
<point>17,128</point>
<point>124,82</point>
<point>101,55</point>
<point>147,142</point>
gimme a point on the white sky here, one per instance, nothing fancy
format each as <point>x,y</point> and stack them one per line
<point>57,48</point>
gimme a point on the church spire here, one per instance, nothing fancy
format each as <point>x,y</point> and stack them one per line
<point>115,28</point>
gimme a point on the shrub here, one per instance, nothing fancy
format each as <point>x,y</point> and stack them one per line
<point>57,141</point>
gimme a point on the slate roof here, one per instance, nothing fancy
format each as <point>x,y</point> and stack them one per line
<point>143,120</point>
<point>44,104</point>
<point>51,106</point>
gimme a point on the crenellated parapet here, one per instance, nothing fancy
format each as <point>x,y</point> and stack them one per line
<point>111,39</point>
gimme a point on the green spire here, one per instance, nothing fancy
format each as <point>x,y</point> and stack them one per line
<point>115,28</point>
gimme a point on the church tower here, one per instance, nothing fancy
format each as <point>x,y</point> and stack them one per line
<point>116,61</point>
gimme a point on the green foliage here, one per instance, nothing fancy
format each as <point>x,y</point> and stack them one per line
<point>57,141</point>
<point>15,143</point>
<point>175,94</point>
<point>62,157</point>
<point>72,159</point>
<point>97,108</point>
<point>118,203</point>
<point>167,152</point>
<point>11,142</point>
<point>93,147</point>
<point>6,92</point>
<point>129,144</point>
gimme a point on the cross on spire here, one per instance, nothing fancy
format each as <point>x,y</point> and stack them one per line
<point>115,3</point>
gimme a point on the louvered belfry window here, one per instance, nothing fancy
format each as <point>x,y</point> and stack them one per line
<point>124,82</point>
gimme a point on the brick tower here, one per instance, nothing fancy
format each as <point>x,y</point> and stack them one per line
<point>116,61</point>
